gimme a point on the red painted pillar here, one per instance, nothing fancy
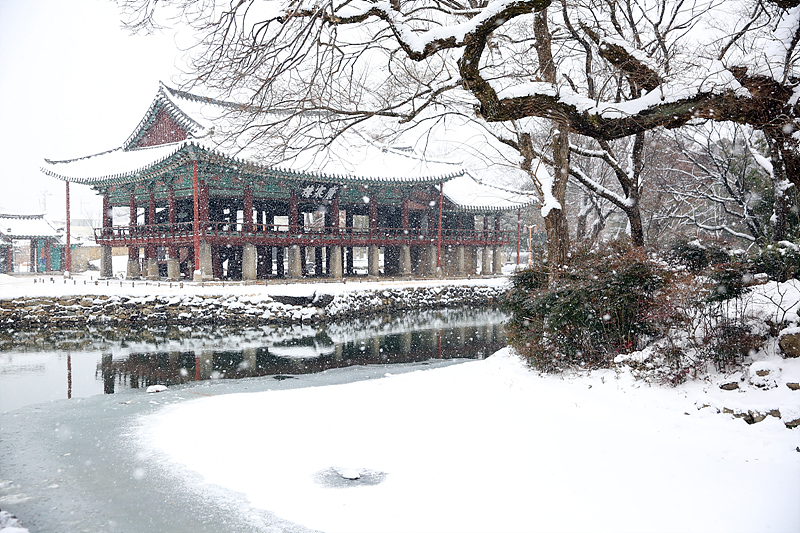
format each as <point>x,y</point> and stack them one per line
<point>335,215</point>
<point>404,216</point>
<point>108,220</point>
<point>497,228</point>
<point>172,217</point>
<point>151,220</point>
<point>248,210</point>
<point>373,215</point>
<point>439,237</point>
<point>293,208</point>
<point>133,249</point>
<point>68,251</point>
<point>196,226</point>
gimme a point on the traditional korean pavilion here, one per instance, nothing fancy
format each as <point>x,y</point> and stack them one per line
<point>207,203</point>
<point>47,251</point>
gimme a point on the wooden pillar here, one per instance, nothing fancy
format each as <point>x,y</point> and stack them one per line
<point>106,266</point>
<point>47,255</point>
<point>216,262</point>
<point>318,260</point>
<point>264,258</point>
<point>348,226</point>
<point>134,268</point>
<point>439,232</point>
<point>405,248</point>
<point>280,268</point>
<point>486,264</point>
<point>248,210</point>
<point>334,215</point>
<point>293,213</point>
<point>196,220</point>
<point>295,261</point>
<point>68,251</point>
<point>173,259</point>
<point>151,251</point>
<point>497,253</point>
<point>373,251</point>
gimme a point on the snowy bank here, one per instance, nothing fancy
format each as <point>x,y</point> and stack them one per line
<point>490,446</point>
<point>27,303</point>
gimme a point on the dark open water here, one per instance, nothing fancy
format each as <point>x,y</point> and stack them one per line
<point>46,365</point>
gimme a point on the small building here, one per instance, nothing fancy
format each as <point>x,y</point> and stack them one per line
<point>206,201</point>
<point>47,249</point>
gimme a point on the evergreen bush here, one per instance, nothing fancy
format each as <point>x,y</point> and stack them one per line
<point>780,261</point>
<point>696,254</point>
<point>609,303</point>
<point>603,303</point>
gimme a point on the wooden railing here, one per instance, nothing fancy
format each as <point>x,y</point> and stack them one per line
<point>282,235</point>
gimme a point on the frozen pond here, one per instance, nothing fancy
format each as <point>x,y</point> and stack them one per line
<point>71,465</point>
<point>46,365</point>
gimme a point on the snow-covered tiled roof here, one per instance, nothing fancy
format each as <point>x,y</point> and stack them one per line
<point>114,165</point>
<point>215,133</point>
<point>26,226</point>
<point>470,194</point>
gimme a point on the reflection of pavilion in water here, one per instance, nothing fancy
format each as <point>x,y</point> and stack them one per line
<point>304,355</point>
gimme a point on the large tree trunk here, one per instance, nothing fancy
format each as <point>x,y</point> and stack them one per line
<point>635,221</point>
<point>780,186</point>
<point>555,222</point>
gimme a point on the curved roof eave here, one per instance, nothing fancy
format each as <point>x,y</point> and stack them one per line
<point>193,149</point>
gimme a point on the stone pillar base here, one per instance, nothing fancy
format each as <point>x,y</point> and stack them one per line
<point>336,262</point>
<point>249,262</point>
<point>295,265</point>
<point>173,269</point>
<point>206,264</point>
<point>152,269</point>
<point>133,270</point>
<point>497,260</point>
<point>430,263</point>
<point>106,267</point>
<point>373,260</point>
<point>486,261</point>
<point>405,260</point>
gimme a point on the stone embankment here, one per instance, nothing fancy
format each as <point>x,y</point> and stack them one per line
<point>26,313</point>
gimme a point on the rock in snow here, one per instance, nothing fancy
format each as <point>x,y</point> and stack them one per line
<point>349,473</point>
<point>10,523</point>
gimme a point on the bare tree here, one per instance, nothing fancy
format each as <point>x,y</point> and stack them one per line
<point>605,69</point>
<point>722,183</point>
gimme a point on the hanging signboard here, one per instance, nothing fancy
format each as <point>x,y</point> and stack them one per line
<point>320,192</point>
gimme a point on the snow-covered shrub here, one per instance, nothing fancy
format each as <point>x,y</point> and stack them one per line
<point>604,303</point>
<point>781,261</point>
<point>621,306</point>
<point>696,254</point>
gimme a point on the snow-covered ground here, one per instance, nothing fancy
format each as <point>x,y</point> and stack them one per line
<point>480,446</point>
<point>87,283</point>
<point>491,446</point>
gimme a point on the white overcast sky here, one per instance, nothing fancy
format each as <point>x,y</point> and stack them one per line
<point>72,83</point>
